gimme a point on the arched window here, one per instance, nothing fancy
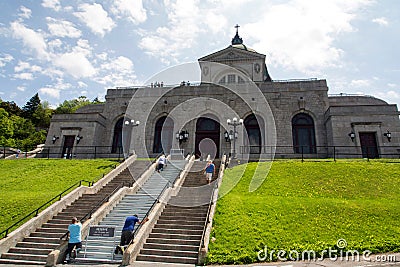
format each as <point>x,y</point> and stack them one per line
<point>253,133</point>
<point>163,134</point>
<point>303,134</point>
<point>231,78</point>
<point>117,139</point>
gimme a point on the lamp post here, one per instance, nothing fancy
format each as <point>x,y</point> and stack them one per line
<point>388,135</point>
<point>132,123</point>
<point>182,136</point>
<point>234,135</point>
<point>352,135</point>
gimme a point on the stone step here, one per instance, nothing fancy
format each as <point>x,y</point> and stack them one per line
<point>177,231</point>
<point>173,241</point>
<point>190,221</point>
<point>42,240</point>
<point>25,257</point>
<point>46,235</point>
<point>55,225</point>
<point>176,253</point>
<point>170,207</point>
<point>175,236</point>
<point>35,251</point>
<point>177,247</point>
<point>174,218</point>
<point>187,214</point>
<point>180,226</point>
<point>59,221</point>
<point>171,259</point>
<point>12,262</point>
<point>52,230</point>
<point>36,245</point>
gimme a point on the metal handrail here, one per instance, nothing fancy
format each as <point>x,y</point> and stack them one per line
<point>36,211</point>
<point>95,207</point>
<point>148,211</point>
<point>209,209</point>
<point>167,185</point>
<point>208,213</point>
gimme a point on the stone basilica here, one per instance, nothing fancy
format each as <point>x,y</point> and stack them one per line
<point>285,119</point>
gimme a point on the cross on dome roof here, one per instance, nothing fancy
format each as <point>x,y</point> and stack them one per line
<point>237,40</point>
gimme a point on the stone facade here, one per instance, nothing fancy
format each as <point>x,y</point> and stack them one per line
<point>290,118</point>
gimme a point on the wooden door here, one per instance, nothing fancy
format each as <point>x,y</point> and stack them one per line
<point>369,146</point>
<point>68,145</point>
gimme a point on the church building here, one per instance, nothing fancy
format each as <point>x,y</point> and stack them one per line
<point>236,108</point>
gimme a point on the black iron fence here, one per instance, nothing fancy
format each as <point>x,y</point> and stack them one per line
<point>318,152</point>
<point>91,152</point>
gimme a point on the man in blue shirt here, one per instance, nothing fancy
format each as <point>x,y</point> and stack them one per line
<point>209,170</point>
<point>75,239</point>
<point>127,231</point>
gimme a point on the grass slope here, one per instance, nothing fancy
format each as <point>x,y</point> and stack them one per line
<point>308,206</point>
<point>26,184</point>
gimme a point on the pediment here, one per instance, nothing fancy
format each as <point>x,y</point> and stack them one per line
<point>233,54</point>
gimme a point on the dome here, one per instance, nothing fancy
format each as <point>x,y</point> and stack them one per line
<point>242,46</point>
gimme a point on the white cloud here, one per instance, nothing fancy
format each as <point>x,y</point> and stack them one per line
<point>82,84</point>
<point>132,9</point>
<point>52,4</point>
<point>381,21</point>
<point>392,85</point>
<point>96,18</point>
<point>179,33</point>
<point>22,66</point>
<point>102,56</point>
<point>360,83</point>
<point>32,40</point>
<point>76,64</point>
<point>52,92</point>
<point>6,58</point>
<point>117,72</point>
<point>300,34</point>
<point>62,28</point>
<point>21,88</point>
<point>54,44</point>
<point>25,12</point>
<point>390,96</point>
<point>24,76</point>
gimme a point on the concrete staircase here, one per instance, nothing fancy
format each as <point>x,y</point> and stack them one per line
<point>176,237</point>
<point>35,248</point>
<point>101,249</point>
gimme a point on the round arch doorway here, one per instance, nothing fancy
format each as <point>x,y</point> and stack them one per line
<point>207,137</point>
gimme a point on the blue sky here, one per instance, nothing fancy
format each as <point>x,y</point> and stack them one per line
<point>64,49</point>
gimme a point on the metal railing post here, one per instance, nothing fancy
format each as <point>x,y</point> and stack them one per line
<point>334,153</point>
<point>302,154</point>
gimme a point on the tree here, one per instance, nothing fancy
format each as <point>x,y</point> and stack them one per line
<point>11,108</point>
<point>6,129</point>
<point>71,106</point>
<point>42,116</point>
<point>31,106</point>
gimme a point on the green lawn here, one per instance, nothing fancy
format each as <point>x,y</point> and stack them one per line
<point>26,184</point>
<point>307,206</point>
